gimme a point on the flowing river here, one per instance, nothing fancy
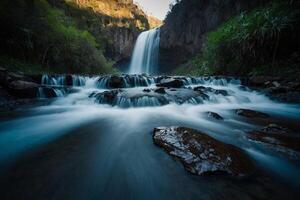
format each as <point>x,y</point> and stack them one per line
<point>80,147</point>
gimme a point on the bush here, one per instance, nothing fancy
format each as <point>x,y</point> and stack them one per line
<point>263,38</point>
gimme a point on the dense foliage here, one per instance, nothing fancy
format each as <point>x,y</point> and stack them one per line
<point>263,41</point>
<point>36,32</point>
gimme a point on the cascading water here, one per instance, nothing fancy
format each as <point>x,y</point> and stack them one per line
<point>145,53</point>
<point>105,144</point>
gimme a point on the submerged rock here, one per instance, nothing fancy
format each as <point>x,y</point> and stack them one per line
<point>214,115</point>
<point>201,154</point>
<point>278,137</point>
<point>251,113</point>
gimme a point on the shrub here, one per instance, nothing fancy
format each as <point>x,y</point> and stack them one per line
<point>263,38</point>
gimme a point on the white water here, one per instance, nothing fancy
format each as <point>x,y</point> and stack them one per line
<point>145,53</point>
<point>124,162</point>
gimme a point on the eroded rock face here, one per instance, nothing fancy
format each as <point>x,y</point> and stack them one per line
<point>201,154</point>
<point>251,113</point>
<point>184,29</point>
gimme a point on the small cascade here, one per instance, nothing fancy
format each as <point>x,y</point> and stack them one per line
<point>145,54</point>
<point>125,81</point>
<point>63,80</point>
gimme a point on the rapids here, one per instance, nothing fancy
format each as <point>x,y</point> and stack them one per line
<point>77,148</point>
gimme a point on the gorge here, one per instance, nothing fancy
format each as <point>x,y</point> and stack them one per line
<point>141,131</point>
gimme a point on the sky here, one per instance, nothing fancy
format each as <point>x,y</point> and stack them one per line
<point>157,8</point>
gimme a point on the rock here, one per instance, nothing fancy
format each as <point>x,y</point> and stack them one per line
<point>201,154</point>
<point>107,97</point>
<point>278,138</point>
<point>116,82</point>
<point>160,90</point>
<point>274,129</point>
<point>222,92</point>
<point>146,90</point>
<point>138,97</point>
<point>170,83</point>
<point>23,89</point>
<point>7,77</point>
<point>183,31</point>
<point>200,88</point>
<point>251,113</point>
<point>214,115</point>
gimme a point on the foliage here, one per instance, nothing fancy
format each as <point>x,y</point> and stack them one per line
<point>263,37</point>
<point>37,32</point>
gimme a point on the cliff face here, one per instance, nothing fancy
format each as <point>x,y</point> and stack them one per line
<point>119,21</point>
<point>184,29</point>
<point>116,22</point>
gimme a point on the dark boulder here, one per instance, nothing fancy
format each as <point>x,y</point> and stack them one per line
<point>251,113</point>
<point>201,154</point>
<point>107,97</point>
<point>170,83</point>
<point>146,90</point>
<point>160,90</point>
<point>116,82</point>
<point>23,89</point>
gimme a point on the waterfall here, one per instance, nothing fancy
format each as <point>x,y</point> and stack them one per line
<point>145,53</point>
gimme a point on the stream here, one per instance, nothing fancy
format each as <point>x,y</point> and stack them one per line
<point>79,147</point>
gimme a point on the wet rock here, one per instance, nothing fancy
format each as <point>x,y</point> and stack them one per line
<point>200,88</point>
<point>201,154</point>
<point>23,89</point>
<point>106,97</point>
<point>160,90</point>
<point>7,77</point>
<point>275,129</point>
<point>222,92</point>
<point>146,90</point>
<point>277,137</point>
<point>251,113</point>
<point>116,82</point>
<point>171,83</point>
<point>214,115</point>
<point>69,80</point>
<point>138,97</point>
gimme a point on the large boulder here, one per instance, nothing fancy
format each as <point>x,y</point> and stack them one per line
<point>201,154</point>
<point>116,82</point>
<point>23,89</point>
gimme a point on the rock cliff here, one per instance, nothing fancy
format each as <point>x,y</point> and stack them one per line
<point>184,29</point>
